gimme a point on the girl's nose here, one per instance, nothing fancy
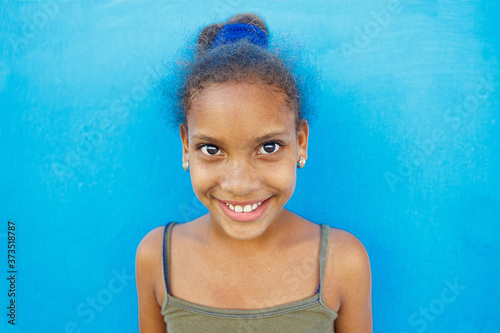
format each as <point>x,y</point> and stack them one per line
<point>240,178</point>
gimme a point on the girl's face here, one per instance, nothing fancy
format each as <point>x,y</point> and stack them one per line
<point>242,146</point>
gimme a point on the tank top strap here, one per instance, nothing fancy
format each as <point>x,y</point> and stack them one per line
<point>323,256</point>
<point>166,253</point>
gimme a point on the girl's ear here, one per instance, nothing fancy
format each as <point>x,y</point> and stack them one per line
<point>183,131</point>
<point>302,139</point>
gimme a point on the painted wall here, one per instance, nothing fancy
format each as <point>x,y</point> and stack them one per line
<point>404,152</point>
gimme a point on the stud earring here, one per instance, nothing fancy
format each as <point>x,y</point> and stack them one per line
<point>301,163</point>
<point>185,165</point>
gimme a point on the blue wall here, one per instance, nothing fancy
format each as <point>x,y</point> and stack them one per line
<point>404,152</point>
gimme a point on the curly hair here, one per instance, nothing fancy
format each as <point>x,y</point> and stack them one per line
<point>236,61</point>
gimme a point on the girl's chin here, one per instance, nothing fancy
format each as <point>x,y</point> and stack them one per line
<point>243,232</point>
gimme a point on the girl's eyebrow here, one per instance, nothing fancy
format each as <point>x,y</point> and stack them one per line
<point>266,137</point>
<point>205,138</point>
<point>272,135</point>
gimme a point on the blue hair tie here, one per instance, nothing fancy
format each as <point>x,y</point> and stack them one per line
<point>234,32</point>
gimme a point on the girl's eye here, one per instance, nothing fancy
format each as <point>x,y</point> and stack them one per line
<point>210,150</point>
<point>269,148</point>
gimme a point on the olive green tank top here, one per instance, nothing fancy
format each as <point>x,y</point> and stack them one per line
<point>307,315</point>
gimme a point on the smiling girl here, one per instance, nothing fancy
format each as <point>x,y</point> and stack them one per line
<point>249,265</point>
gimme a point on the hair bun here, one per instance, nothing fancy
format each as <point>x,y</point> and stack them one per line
<point>207,36</point>
<point>237,27</point>
<point>249,18</point>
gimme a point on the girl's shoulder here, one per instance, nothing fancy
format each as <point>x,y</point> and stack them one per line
<point>149,254</point>
<point>152,243</point>
<point>344,246</point>
<point>347,257</point>
<point>150,249</point>
<point>347,271</point>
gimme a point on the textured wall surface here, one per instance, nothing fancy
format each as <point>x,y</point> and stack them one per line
<point>404,152</point>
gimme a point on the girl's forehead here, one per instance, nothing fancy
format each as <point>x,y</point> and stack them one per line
<point>243,106</point>
<point>243,92</point>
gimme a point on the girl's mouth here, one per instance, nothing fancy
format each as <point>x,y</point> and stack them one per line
<point>245,211</point>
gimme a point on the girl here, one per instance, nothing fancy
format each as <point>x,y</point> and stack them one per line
<point>249,265</point>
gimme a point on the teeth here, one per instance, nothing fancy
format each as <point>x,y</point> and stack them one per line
<point>245,209</point>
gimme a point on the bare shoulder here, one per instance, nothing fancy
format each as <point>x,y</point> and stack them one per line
<point>149,249</point>
<point>148,273</point>
<point>347,287</point>
<point>149,260</point>
<point>348,260</point>
<point>347,251</point>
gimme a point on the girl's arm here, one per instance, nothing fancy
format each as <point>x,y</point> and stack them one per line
<point>148,268</point>
<point>350,266</point>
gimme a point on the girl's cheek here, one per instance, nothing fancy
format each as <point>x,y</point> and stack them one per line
<point>283,176</point>
<point>204,175</point>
